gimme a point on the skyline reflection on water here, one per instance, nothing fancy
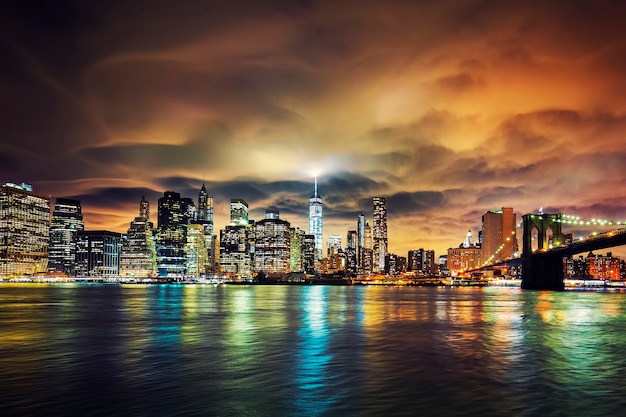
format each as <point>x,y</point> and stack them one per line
<point>96,350</point>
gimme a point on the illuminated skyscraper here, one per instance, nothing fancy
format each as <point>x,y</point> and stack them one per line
<point>138,257</point>
<point>380,233</point>
<point>98,253</point>
<point>67,221</point>
<point>360,232</point>
<point>196,254</point>
<point>204,217</point>
<point>296,245</point>
<point>173,218</point>
<point>333,245</point>
<point>351,258</point>
<point>24,230</point>
<point>498,237</point>
<point>308,253</point>
<point>315,221</point>
<point>272,248</point>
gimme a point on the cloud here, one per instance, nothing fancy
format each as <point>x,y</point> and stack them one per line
<point>481,105</point>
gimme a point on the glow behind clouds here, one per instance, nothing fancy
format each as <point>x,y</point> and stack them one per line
<point>449,109</point>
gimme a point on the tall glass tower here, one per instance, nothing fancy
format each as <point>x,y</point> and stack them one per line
<point>315,221</point>
<point>380,233</point>
<point>67,221</point>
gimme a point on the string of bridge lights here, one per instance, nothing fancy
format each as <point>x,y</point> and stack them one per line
<point>576,220</point>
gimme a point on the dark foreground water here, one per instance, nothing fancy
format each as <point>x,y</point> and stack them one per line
<point>114,350</point>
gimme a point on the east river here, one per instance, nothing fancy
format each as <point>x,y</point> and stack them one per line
<point>195,350</point>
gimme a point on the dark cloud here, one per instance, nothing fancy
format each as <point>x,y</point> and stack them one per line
<point>114,198</point>
<point>459,83</point>
<point>405,203</point>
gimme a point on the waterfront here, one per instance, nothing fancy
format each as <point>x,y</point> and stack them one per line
<point>89,349</point>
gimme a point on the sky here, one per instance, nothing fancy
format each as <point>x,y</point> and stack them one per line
<point>448,108</point>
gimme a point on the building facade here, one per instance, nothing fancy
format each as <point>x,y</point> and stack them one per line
<point>467,256</point>
<point>498,235</point>
<point>138,257</point>
<point>315,221</point>
<point>272,245</point>
<point>98,253</point>
<point>67,221</point>
<point>380,243</point>
<point>174,214</point>
<point>24,230</point>
<point>235,250</point>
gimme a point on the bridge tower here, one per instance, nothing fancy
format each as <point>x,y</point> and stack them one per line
<point>542,270</point>
<point>543,223</point>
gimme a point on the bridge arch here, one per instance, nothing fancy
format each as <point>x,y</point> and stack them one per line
<point>544,224</point>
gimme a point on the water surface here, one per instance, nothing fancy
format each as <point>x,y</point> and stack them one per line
<point>167,350</point>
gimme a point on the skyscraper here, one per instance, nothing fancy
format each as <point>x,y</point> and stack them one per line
<point>67,221</point>
<point>173,218</point>
<point>272,247</point>
<point>380,233</point>
<point>138,257</point>
<point>498,237</point>
<point>360,232</point>
<point>204,217</point>
<point>24,230</point>
<point>235,250</point>
<point>98,253</point>
<point>315,221</point>
<point>333,244</point>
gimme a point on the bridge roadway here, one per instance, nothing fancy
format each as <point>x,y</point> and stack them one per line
<point>543,269</point>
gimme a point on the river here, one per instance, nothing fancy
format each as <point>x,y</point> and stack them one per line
<point>194,350</point>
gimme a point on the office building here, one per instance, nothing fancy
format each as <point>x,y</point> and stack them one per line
<point>67,221</point>
<point>333,244</point>
<point>204,217</point>
<point>24,230</point>
<point>196,253</point>
<point>308,253</point>
<point>272,245</point>
<point>173,217</point>
<point>138,257</point>
<point>380,244</point>
<point>465,257</point>
<point>236,250</point>
<point>360,236</point>
<point>422,261</point>
<point>498,239</point>
<point>315,221</point>
<point>98,253</point>
<point>238,212</point>
<point>296,258</point>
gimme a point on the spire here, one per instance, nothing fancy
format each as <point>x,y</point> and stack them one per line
<point>316,186</point>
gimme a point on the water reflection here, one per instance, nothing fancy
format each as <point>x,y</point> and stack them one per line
<point>313,350</point>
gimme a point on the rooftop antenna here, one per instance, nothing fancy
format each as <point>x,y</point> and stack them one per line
<point>316,186</point>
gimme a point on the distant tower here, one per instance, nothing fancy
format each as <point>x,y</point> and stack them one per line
<point>315,221</point>
<point>360,237</point>
<point>144,209</point>
<point>204,217</point>
<point>380,233</point>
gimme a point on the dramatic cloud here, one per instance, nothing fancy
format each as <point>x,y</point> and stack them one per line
<point>448,108</point>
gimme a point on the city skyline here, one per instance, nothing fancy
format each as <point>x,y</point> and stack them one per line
<point>449,110</point>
